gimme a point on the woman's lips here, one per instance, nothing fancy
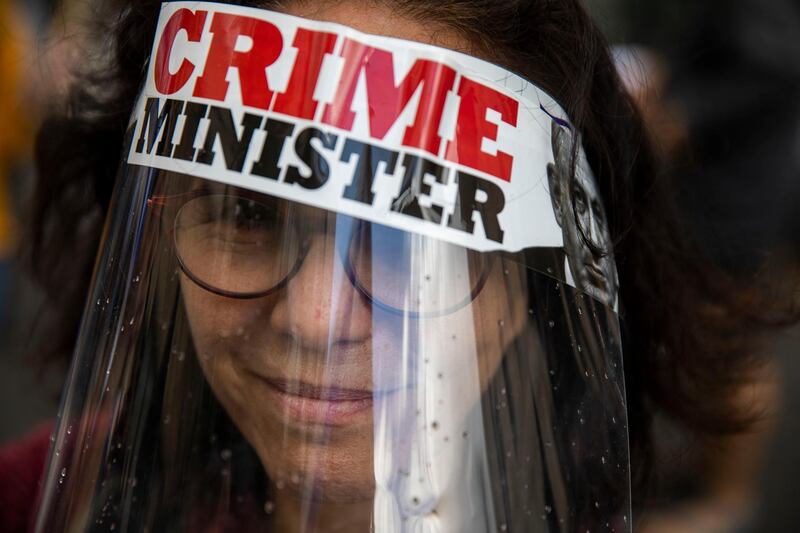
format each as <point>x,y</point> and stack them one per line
<point>317,392</point>
<point>309,403</point>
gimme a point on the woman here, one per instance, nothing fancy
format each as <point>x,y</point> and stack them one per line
<point>256,354</point>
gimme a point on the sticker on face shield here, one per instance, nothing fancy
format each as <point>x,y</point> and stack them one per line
<point>408,135</point>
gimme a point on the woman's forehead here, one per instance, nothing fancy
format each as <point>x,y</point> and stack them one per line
<point>378,18</point>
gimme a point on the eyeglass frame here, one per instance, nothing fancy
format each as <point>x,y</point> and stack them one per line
<point>159,204</point>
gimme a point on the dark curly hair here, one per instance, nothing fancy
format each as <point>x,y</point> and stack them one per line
<point>689,333</point>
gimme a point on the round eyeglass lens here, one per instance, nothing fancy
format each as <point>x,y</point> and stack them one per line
<point>406,272</point>
<point>236,244</point>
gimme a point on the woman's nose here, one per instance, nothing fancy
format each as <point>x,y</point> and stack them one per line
<point>319,306</point>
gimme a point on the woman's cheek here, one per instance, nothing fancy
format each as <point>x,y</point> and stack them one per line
<point>214,318</point>
<point>218,327</point>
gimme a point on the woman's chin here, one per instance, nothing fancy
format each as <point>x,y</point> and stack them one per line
<point>321,463</point>
<point>323,475</point>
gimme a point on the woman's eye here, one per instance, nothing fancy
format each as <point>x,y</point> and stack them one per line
<point>231,219</point>
<point>245,214</point>
<point>249,214</point>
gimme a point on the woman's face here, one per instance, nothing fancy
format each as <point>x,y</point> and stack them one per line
<point>302,370</point>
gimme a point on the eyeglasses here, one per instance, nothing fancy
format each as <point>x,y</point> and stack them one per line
<point>244,245</point>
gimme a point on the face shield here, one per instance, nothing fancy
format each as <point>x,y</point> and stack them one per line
<point>348,283</point>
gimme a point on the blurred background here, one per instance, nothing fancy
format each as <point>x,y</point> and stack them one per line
<point>28,43</point>
<point>719,84</point>
<point>38,43</point>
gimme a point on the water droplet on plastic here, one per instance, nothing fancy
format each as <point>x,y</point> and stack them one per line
<point>580,312</point>
<point>269,507</point>
<point>548,509</point>
<point>552,324</point>
<point>580,348</point>
<point>131,322</point>
<point>501,323</point>
<point>225,454</point>
<point>181,356</point>
<point>166,420</point>
<point>603,459</point>
<point>503,527</point>
<point>136,279</point>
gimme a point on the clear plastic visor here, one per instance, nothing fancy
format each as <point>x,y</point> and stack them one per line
<point>252,363</point>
